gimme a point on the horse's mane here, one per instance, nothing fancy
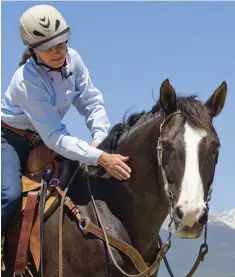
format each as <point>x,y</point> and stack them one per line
<point>193,110</point>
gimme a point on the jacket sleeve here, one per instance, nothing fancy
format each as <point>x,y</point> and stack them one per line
<point>36,103</point>
<point>90,103</point>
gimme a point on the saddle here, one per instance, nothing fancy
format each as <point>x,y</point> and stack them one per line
<point>23,234</point>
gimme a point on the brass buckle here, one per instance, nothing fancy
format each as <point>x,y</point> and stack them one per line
<point>35,140</point>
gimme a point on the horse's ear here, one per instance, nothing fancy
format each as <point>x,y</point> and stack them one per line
<point>216,102</point>
<point>167,98</point>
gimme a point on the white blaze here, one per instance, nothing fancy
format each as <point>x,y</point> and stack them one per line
<point>191,198</point>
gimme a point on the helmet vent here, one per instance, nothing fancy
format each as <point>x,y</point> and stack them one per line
<point>57,24</point>
<point>36,33</point>
<point>45,24</point>
<point>43,19</point>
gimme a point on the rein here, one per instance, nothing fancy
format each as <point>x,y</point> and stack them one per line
<point>87,226</point>
<point>149,270</point>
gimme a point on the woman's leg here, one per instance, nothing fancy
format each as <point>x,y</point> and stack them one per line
<point>10,183</point>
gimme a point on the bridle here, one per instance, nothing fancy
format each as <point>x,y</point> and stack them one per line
<point>169,195</point>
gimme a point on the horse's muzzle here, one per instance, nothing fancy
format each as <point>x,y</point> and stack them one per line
<point>189,232</point>
<point>189,223</point>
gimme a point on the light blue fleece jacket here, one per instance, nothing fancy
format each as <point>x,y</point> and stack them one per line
<point>37,99</point>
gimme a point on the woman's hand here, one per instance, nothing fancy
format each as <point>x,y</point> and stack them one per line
<point>115,165</point>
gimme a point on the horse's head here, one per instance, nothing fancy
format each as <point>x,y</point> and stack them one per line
<point>188,152</point>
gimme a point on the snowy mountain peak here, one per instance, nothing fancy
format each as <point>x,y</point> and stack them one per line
<point>227,218</point>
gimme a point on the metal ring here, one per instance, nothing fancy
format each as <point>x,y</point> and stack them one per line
<point>204,248</point>
<point>86,220</point>
<point>52,180</point>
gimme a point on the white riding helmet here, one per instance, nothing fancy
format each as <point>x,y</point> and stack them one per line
<point>42,27</point>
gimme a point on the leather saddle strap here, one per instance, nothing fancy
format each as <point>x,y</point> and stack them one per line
<point>35,247</point>
<point>35,240</point>
<point>21,255</point>
<point>44,183</point>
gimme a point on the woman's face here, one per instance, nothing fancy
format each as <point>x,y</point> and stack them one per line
<point>54,56</point>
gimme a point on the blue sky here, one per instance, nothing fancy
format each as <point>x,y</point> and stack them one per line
<point>131,47</point>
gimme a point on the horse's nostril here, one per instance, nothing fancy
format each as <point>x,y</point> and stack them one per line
<point>203,217</point>
<point>178,212</point>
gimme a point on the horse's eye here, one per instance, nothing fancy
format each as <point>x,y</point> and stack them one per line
<point>166,144</point>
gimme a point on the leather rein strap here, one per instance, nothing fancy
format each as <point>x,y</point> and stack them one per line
<point>143,272</point>
<point>88,227</point>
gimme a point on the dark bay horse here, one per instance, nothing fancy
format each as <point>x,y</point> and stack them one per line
<point>186,146</point>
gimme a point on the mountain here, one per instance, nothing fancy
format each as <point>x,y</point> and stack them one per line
<point>220,260</point>
<point>227,218</point>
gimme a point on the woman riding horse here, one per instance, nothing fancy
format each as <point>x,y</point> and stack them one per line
<point>50,79</point>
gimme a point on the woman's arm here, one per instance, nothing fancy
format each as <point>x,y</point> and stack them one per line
<point>90,104</point>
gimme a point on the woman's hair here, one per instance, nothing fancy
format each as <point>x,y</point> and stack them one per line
<point>26,55</point>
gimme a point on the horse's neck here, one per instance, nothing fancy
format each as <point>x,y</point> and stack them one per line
<point>149,202</point>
